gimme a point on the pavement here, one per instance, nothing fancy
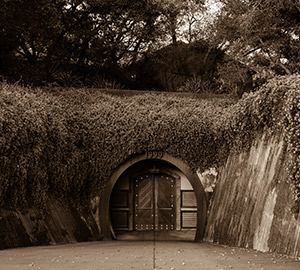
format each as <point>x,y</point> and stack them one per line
<point>142,255</point>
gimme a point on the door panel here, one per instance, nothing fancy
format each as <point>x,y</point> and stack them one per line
<point>188,219</point>
<point>154,202</point>
<point>144,202</point>
<point>119,204</point>
<point>165,204</point>
<point>120,219</point>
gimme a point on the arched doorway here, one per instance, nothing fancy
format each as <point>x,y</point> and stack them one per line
<point>153,195</point>
<point>153,200</point>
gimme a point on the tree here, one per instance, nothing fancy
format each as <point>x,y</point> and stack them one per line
<point>125,27</point>
<point>40,39</point>
<point>261,33</point>
<point>65,41</point>
<point>40,34</point>
<point>178,18</point>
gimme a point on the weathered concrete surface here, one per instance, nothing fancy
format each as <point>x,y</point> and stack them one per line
<point>140,255</point>
<point>59,224</point>
<point>251,205</point>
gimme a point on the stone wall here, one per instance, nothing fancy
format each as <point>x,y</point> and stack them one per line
<point>251,204</point>
<point>60,223</point>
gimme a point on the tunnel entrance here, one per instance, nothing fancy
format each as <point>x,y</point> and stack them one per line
<point>120,201</point>
<point>153,199</point>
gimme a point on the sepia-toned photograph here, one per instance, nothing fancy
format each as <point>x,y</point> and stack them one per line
<point>149,134</point>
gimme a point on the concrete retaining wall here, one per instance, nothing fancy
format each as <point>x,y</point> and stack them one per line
<point>250,207</point>
<point>60,223</point>
<point>251,204</point>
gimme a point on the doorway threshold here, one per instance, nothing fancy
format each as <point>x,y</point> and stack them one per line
<point>186,235</point>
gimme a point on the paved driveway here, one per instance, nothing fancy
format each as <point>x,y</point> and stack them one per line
<point>141,255</point>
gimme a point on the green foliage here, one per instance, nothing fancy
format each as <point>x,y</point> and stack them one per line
<point>233,78</point>
<point>61,42</point>
<point>197,85</point>
<point>69,143</point>
<point>261,33</point>
<point>104,83</point>
<point>275,108</point>
<point>77,35</point>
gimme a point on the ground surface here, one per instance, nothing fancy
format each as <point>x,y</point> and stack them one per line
<point>141,255</point>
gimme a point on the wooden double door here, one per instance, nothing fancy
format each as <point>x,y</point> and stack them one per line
<point>154,202</point>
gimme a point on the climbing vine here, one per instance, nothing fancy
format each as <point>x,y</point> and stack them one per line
<point>68,142</point>
<point>291,123</point>
<point>274,109</point>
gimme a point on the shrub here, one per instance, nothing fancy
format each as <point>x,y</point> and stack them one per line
<point>233,78</point>
<point>196,85</point>
<point>102,82</point>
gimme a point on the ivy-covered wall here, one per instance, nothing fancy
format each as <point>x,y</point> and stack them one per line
<point>252,205</point>
<point>67,142</point>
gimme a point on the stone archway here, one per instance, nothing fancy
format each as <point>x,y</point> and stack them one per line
<point>105,221</point>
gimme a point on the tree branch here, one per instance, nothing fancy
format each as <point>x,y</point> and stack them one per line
<point>251,51</point>
<point>275,62</point>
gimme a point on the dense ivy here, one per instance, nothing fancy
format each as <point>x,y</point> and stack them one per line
<point>275,109</point>
<point>68,143</point>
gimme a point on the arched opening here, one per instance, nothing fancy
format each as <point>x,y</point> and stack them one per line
<point>153,195</point>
